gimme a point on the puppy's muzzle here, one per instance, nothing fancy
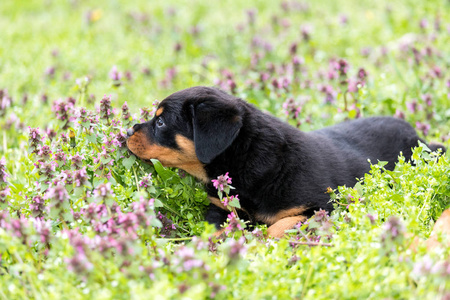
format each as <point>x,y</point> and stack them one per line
<point>130,132</point>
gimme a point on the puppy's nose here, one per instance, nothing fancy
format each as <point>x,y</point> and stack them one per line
<point>130,132</point>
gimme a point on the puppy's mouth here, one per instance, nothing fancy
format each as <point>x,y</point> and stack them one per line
<point>146,160</point>
<point>135,147</point>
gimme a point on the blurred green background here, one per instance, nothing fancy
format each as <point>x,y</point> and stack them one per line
<point>198,40</point>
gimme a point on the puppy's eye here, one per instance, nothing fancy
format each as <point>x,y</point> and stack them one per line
<point>160,122</point>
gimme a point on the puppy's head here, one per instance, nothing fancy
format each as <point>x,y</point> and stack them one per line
<point>190,128</point>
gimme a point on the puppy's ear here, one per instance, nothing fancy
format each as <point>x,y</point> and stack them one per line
<point>216,124</point>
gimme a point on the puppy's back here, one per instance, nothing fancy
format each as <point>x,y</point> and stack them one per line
<point>376,138</point>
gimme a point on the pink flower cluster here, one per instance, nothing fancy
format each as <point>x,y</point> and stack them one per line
<point>64,110</point>
<point>222,182</point>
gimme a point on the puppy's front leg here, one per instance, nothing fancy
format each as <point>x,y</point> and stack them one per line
<point>277,230</point>
<point>216,215</point>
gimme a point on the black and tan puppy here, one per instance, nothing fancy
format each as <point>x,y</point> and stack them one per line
<point>281,174</point>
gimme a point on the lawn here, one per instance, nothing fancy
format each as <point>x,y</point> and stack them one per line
<point>81,218</point>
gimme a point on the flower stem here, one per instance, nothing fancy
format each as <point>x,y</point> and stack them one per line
<point>135,176</point>
<point>312,243</point>
<point>177,239</point>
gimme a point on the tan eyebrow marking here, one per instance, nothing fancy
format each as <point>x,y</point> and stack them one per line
<point>159,111</point>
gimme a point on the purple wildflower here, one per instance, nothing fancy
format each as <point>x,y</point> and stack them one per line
<point>234,224</point>
<point>292,108</point>
<point>423,267</point>
<point>237,248</point>
<point>105,108</point>
<point>83,115</point>
<point>185,260</point>
<point>146,71</point>
<point>44,152</point>
<point>65,176</point>
<point>414,106</point>
<point>94,211</point>
<point>293,49</point>
<point>46,168</point>
<point>436,72</point>
<point>362,75</point>
<point>80,177</point>
<point>19,228</point>
<point>64,110</point>
<point>79,263</point>
<point>77,161</point>
<point>178,47</point>
<point>297,61</point>
<point>57,194</point>
<point>43,228</point>
<point>5,101</point>
<point>424,127</point>
<point>51,133</point>
<point>115,76</point>
<point>305,31</point>
<point>37,206</point>
<point>372,218</point>
<point>103,193</point>
<point>342,67</point>
<point>427,99</point>
<point>393,229</point>
<point>50,72</point>
<point>399,114</point>
<point>129,75</point>
<point>104,158</point>
<point>423,23</point>
<point>365,51</point>
<point>146,114</point>
<point>330,93</point>
<point>126,114</point>
<point>34,139</point>
<point>4,193</point>
<point>44,98</point>
<point>120,140</point>
<point>222,182</point>
<point>146,181</point>
<point>129,223</point>
<point>3,174</point>
<point>353,85</point>
<point>320,224</point>
<point>60,157</point>
<point>251,16</point>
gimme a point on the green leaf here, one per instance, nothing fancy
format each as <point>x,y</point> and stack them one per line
<point>382,163</point>
<point>86,125</point>
<point>151,190</point>
<point>359,188</point>
<point>98,181</point>
<point>67,216</point>
<point>158,203</point>
<point>234,203</point>
<point>105,161</point>
<point>129,161</point>
<point>92,138</point>
<point>155,223</point>
<point>164,173</point>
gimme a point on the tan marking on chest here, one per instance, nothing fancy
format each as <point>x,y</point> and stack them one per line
<point>272,219</point>
<point>189,161</point>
